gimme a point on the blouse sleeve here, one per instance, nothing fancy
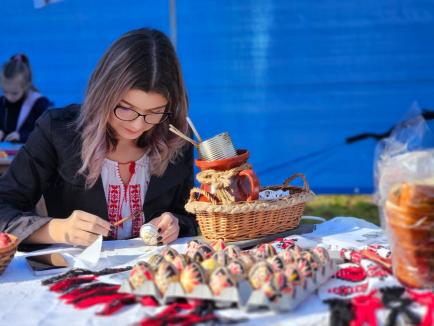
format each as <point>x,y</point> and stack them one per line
<point>26,179</point>
<point>187,221</point>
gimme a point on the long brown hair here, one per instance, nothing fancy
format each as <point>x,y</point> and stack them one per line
<point>141,59</point>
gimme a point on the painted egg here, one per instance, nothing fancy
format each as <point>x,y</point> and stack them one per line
<point>191,276</point>
<point>221,258</point>
<point>304,267</point>
<point>155,260</point>
<point>310,257</point>
<point>286,257</point>
<point>209,265</point>
<point>276,262</point>
<point>179,262</point>
<point>206,250</point>
<point>169,254</point>
<point>149,234</point>
<point>218,245</point>
<point>259,274</point>
<point>322,254</point>
<point>198,256</point>
<point>140,273</point>
<point>192,247</point>
<point>270,290</point>
<point>294,275</point>
<point>233,251</point>
<point>265,250</point>
<point>237,269</point>
<point>295,252</point>
<point>220,279</point>
<point>282,283</point>
<point>247,259</point>
<point>166,274</point>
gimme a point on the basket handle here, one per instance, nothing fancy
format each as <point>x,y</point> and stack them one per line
<point>204,193</point>
<point>298,175</point>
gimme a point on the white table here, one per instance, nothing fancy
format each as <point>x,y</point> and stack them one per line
<point>24,301</point>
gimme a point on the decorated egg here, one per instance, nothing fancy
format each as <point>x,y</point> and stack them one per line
<point>169,254</point>
<point>295,252</point>
<point>140,273</point>
<point>221,258</point>
<point>218,245</point>
<point>192,247</point>
<point>206,250</point>
<point>259,274</point>
<point>247,259</point>
<point>265,250</point>
<point>276,262</point>
<point>237,269</point>
<point>209,265</point>
<point>220,279</point>
<point>155,260</point>
<point>179,262</point>
<point>270,289</point>
<point>294,275</point>
<point>233,251</point>
<point>322,254</point>
<point>282,283</point>
<point>191,276</point>
<point>304,267</point>
<point>198,257</point>
<point>311,258</point>
<point>149,234</point>
<point>166,274</point>
<point>286,257</point>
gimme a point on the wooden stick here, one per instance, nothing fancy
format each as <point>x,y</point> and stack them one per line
<point>180,134</point>
<point>132,216</point>
<point>194,129</point>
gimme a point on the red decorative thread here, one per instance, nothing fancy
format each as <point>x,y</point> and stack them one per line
<point>136,205</point>
<point>345,290</point>
<point>426,299</point>
<point>64,285</point>
<point>365,307</point>
<point>352,274</point>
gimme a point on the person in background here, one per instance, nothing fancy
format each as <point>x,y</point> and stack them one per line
<point>111,158</point>
<point>21,104</point>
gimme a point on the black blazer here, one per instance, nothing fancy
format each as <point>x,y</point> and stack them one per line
<point>47,165</point>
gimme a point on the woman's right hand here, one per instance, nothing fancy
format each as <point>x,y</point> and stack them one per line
<point>82,228</point>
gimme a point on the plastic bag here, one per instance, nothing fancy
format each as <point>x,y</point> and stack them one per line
<point>405,195</point>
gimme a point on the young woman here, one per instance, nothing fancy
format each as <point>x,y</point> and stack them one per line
<point>21,103</point>
<point>110,158</point>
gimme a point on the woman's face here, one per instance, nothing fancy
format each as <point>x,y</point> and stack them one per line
<point>13,89</point>
<point>124,119</point>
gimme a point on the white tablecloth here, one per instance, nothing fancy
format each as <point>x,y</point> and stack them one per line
<point>24,301</point>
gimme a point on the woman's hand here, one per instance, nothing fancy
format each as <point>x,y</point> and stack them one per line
<point>13,137</point>
<point>82,228</point>
<point>168,227</point>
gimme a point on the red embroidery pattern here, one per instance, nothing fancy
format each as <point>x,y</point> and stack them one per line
<point>136,205</point>
<point>352,255</point>
<point>365,307</point>
<point>345,290</point>
<point>377,271</point>
<point>352,273</point>
<point>114,207</point>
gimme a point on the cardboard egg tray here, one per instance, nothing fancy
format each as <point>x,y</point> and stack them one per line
<point>243,295</point>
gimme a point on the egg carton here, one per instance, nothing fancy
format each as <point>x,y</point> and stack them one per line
<point>243,295</point>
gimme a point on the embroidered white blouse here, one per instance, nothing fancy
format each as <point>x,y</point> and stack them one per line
<point>124,200</point>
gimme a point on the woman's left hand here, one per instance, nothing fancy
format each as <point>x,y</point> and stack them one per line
<point>168,227</point>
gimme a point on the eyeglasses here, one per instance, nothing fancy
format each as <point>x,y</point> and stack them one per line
<point>127,114</point>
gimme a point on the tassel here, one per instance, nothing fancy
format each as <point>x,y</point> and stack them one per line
<point>70,295</point>
<point>148,301</point>
<point>108,288</point>
<point>115,305</point>
<point>341,312</point>
<point>91,301</point>
<point>64,285</point>
<point>365,307</point>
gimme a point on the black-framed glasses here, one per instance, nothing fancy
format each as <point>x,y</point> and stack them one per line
<point>127,114</point>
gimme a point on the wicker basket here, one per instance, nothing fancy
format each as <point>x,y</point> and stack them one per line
<point>250,220</point>
<point>7,253</point>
